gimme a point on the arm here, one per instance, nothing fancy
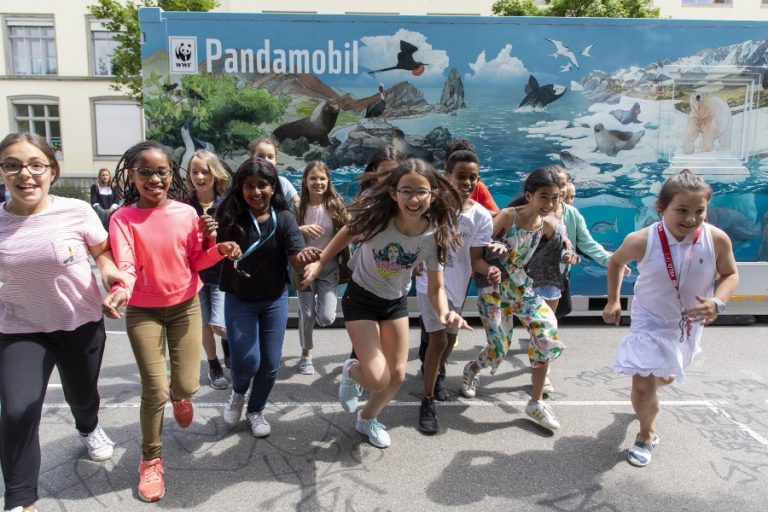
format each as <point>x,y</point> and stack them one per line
<point>479,265</point>
<point>341,240</point>
<point>439,301</point>
<point>583,240</point>
<point>502,221</point>
<point>633,248</point>
<point>113,280</point>
<point>727,281</point>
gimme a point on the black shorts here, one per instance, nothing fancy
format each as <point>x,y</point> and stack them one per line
<point>360,304</point>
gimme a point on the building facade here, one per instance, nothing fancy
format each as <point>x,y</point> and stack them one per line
<point>55,72</point>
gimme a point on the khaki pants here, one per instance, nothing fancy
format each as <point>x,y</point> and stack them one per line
<point>148,329</point>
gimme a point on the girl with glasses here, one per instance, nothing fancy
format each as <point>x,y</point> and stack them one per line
<point>409,218</point>
<point>162,244</point>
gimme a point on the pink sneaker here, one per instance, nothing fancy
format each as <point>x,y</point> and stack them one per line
<point>151,483</point>
<point>183,411</point>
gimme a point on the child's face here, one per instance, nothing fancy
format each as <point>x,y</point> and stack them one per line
<point>201,176</point>
<point>266,151</point>
<point>685,213</point>
<point>544,200</point>
<point>257,192</point>
<point>317,183</point>
<point>146,175</point>
<point>413,195</point>
<point>384,169</point>
<point>104,177</point>
<point>570,194</point>
<point>27,190</point>
<point>465,177</point>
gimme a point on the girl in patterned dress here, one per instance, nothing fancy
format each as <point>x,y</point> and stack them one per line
<point>521,228</point>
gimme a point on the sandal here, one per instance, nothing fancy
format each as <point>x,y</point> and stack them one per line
<point>640,453</point>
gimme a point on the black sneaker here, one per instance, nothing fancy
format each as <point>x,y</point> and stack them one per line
<point>441,390</point>
<point>428,416</point>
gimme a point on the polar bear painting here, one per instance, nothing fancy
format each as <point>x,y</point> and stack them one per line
<point>711,117</point>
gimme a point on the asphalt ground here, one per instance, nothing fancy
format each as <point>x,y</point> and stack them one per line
<point>713,454</point>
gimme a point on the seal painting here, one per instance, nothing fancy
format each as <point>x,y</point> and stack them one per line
<point>315,128</point>
<point>611,142</point>
<point>627,116</point>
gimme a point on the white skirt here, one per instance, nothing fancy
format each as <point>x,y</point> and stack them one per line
<point>652,353</point>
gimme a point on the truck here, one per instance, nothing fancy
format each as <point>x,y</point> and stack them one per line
<point>620,103</point>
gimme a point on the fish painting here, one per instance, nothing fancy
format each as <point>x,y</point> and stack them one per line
<point>603,226</point>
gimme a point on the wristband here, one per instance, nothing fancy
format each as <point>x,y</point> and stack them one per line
<point>719,305</point>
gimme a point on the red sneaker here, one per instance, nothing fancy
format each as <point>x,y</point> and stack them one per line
<point>183,411</point>
<point>151,483</point>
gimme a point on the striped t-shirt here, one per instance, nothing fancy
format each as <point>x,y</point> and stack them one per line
<point>46,283</point>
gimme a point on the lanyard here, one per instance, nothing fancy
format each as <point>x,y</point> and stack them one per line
<point>259,242</point>
<point>685,323</point>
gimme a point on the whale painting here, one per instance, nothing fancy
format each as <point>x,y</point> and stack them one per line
<point>537,96</point>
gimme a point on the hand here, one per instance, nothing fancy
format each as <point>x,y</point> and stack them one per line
<point>627,271</point>
<point>229,249</point>
<point>312,231</point>
<point>493,275</point>
<point>705,311</point>
<point>567,256</point>
<point>110,279</point>
<point>113,302</point>
<point>311,272</point>
<point>496,249</point>
<point>308,255</point>
<point>452,320</point>
<point>612,313</point>
<point>418,269</point>
<point>207,225</point>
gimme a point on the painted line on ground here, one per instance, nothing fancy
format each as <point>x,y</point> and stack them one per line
<point>754,435</point>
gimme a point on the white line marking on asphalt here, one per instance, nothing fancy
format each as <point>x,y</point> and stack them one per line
<point>757,437</point>
<point>514,403</point>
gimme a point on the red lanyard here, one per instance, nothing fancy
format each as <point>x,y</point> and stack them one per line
<point>685,323</point>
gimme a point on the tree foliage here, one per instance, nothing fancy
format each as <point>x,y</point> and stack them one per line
<point>222,111</point>
<point>122,18</point>
<point>578,8</point>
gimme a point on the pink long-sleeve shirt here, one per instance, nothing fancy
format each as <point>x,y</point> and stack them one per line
<point>162,249</point>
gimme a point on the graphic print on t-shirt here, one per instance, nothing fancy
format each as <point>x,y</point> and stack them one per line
<point>392,259</point>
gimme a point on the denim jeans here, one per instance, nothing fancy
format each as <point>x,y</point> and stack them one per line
<point>256,330</point>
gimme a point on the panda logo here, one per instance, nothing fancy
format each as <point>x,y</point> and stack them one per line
<point>183,52</point>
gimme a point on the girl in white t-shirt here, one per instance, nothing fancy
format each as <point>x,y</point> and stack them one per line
<point>321,213</point>
<point>399,223</point>
<point>50,311</point>
<point>679,259</point>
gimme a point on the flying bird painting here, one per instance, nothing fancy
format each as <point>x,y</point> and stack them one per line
<point>563,51</point>
<point>405,60</point>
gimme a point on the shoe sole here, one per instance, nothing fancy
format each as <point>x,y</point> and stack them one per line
<point>214,386</point>
<point>537,422</point>
<point>371,442</point>
<point>101,459</point>
<point>428,432</point>
<point>151,500</point>
<point>639,464</point>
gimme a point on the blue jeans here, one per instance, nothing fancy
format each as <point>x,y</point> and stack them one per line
<point>256,330</point>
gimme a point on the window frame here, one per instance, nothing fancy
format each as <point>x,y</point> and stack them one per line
<point>111,100</point>
<point>37,21</point>
<point>31,118</point>
<point>94,27</point>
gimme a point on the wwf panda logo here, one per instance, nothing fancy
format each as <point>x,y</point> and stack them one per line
<point>183,52</point>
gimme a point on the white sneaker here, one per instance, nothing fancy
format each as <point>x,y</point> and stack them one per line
<point>98,444</point>
<point>542,414</point>
<point>377,436</point>
<point>469,382</point>
<point>305,366</point>
<point>259,426</point>
<point>19,508</point>
<point>234,408</point>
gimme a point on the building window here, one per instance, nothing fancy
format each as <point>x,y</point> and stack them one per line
<point>103,45</point>
<point>33,46</point>
<point>40,117</point>
<point>117,126</point>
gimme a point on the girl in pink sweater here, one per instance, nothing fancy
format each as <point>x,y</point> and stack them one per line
<point>162,244</point>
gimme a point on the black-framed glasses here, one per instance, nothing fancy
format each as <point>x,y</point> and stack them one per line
<point>147,172</point>
<point>421,194</point>
<point>13,168</point>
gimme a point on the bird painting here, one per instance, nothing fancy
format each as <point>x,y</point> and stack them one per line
<point>563,51</point>
<point>405,61</point>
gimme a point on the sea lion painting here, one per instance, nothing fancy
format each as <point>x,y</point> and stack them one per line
<point>402,145</point>
<point>405,61</point>
<point>315,128</point>
<point>537,96</point>
<point>611,142</point>
<point>627,116</point>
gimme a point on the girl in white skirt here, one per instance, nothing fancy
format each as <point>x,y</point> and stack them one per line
<point>678,260</point>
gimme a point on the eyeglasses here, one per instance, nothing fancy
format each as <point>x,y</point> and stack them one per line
<point>13,168</point>
<point>147,172</point>
<point>421,194</point>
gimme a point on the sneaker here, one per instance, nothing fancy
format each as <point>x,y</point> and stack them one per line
<point>349,390</point>
<point>217,378</point>
<point>469,382</point>
<point>305,366</point>
<point>377,436</point>
<point>428,416</point>
<point>542,414</point>
<point>233,408</point>
<point>259,426</point>
<point>639,454</point>
<point>441,390</point>
<point>98,444</point>
<point>151,484</point>
<point>183,411</point>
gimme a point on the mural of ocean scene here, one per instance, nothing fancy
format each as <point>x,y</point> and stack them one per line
<point>621,104</point>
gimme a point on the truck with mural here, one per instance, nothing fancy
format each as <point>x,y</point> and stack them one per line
<point>620,103</point>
